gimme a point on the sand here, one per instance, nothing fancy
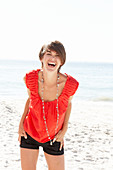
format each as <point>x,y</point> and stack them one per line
<point>88,141</point>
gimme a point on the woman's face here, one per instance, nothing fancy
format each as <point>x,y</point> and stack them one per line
<point>51,61</point>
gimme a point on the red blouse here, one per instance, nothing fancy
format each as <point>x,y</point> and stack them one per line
<point>34,123</point>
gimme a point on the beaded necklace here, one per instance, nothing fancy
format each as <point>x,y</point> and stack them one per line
<point>43,107</point>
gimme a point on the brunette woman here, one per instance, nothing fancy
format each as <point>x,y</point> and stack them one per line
<point>45,119</point>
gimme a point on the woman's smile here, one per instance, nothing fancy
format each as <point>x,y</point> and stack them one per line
<point>51,64</point>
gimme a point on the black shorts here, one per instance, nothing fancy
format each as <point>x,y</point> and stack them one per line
<point>31,143</point>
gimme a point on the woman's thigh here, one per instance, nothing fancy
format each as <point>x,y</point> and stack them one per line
<point>55,162</point>
<point>29,158</point>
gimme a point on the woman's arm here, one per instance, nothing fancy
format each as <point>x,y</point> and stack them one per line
<point>21,130</point>
<point>26,109</point>
<point>59,137</point>
<point>67,116</point>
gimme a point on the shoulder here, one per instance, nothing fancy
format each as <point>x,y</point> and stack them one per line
<point>72,85</point>
<point>30,77</point>
<point>31,73</point>
<point>73,81</point>
<point>63,78</point>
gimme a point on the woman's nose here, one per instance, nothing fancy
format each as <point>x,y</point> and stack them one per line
<point>53,56</point>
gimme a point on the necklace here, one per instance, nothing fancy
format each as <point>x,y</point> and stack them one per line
<point>43,107</point>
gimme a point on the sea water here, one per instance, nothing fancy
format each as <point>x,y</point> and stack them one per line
<point>95,79</point>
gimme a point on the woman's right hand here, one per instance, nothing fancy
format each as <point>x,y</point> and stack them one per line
<point>21,132</point>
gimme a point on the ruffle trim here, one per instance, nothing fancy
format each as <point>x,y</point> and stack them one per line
<point>71,87</point>
<point>30,80</point>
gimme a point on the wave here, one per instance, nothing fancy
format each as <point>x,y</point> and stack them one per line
<point>106,99</point>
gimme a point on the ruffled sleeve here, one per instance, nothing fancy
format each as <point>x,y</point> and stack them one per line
<point>72,86</point>
<point>30,80</point>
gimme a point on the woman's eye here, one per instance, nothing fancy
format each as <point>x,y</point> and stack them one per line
<point>48,54</point>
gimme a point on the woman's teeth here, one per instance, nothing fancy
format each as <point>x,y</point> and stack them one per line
<point>51,64</point>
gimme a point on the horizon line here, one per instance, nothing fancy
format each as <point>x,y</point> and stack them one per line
<point>71,61</point>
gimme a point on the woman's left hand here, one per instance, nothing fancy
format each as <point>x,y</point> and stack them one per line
<point>60,138</point>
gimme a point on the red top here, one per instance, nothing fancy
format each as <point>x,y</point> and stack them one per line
<point>34,123</point>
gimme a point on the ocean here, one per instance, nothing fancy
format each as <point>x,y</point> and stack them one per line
<point>89,138</point>
<point>95,79</point>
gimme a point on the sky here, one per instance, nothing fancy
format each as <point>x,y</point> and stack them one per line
<point>85,27</point>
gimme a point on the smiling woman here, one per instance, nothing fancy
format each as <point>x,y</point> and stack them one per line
<point>57,47</point>
<point>47,111</point>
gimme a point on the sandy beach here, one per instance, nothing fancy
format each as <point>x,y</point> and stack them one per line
<point>88,141</point>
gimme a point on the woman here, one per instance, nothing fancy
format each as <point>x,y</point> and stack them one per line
<point>47,110</point>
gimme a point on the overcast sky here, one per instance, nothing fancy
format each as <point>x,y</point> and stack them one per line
<point>85,27</point>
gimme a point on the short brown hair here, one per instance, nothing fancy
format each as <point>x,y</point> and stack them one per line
<point>54,46</point>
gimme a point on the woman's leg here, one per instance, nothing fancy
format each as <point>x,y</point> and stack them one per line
<point>29,158</point>
<point>55,162</point>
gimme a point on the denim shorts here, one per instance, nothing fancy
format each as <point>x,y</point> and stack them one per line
<point>31,143</point>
